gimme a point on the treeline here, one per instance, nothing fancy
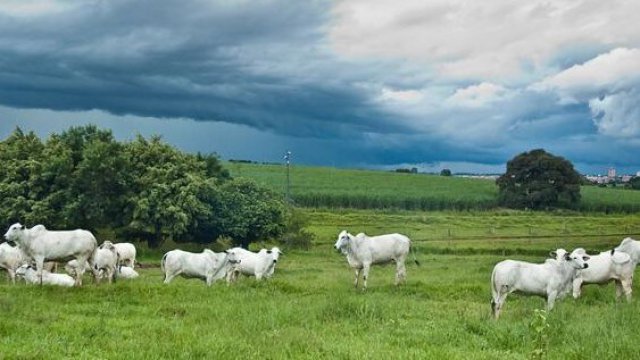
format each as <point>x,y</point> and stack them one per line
<point>373,201</point>
<point>142,189</point>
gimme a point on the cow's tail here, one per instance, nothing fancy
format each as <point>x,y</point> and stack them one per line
<point>413,252</point>
<point>162,262</point>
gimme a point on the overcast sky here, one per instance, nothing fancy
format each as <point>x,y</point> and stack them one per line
<point>367,83</point>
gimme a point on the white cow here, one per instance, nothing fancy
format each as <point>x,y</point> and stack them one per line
<point>72,266</point>
<point>126,253</point>
<point>605,267</point>
<point>207,265</point>
<point>105,262</point>
<point>631,247</point>
<point>30,275</point>
<point>126,272</point>
<point>261,264</point>
<point>11,257</point>
<point>363,251</point>
<point>40,244</point>
<point>551,279</point>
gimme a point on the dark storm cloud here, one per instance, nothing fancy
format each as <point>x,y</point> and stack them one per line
<point>259,63</point>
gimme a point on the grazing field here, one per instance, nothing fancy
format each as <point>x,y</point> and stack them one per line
<point>309,310</point>
<point>318,187</point>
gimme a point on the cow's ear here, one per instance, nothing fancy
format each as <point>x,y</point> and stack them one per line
<point>553,254</point>
<point>585,258</point>
<point>22,227</point>
<point>567,257</point>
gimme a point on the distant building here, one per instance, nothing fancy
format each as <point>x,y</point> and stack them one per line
<point>638,173</point>
<point>611,173</point>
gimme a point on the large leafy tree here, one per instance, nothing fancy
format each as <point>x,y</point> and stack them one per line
<point>539,180</point>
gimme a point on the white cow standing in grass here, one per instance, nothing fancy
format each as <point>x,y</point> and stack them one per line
<point>11,257</point>
<point>551,279</point>
<point>31,277</point>
<point>41,245</point>
<point>207,265</point>
<point>605,267</point>
<point>105,262</point>
<point>126,254</point>
<point>261,264</point>
<point>363,251</point>
<point>631,247</point>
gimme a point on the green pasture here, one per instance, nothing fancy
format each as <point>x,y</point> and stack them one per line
<point>318,187</point>
<point>309,310</point>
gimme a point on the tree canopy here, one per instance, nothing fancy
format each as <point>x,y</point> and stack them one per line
<point>539,180</point>
<point>145,188</point>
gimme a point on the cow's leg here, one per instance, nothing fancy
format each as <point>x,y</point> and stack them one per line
<point>498,302</point>
<point>618,289</point>
<point>627,288</point>
<point>355,283</point>
<point>169,276</point>
<point>39,266</point>
<point>12,275</point>
<point>401,272</point>
<point>577,287</point>
<point>551,299</point>
<point>365,275</point>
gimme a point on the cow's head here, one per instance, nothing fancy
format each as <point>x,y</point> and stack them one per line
<point>275,253</point>
<point>232,257</point>
<point>558,254</point>
<point>343,241</point>
<point>14,232</point>
<point>578,259</point>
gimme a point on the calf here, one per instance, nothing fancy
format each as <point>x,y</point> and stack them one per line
<point>30,275</point>
<point>261,264</point>
<point>605,267</point>
<point>550,279</point>
<point>72,266</point>
<point>207,265</point>
<point>126,272</point>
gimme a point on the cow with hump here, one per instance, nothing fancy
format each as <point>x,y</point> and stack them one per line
<point>362,251</point>
<point>551,279</point>
<point>207,265</point>
<point>42,245</point>
<point>261,264</point>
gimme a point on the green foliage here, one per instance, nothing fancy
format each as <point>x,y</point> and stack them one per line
<point>247,212</point>
<point>445,172</point>
<point>539,327</point>
<point>634,183</point>
<point>539,180</point>
<point>143,189</point>
<point>296,235</point>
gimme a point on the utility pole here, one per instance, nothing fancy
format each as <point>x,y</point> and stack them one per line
<point>287,158</point>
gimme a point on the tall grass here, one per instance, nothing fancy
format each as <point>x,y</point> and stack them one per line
<point>318,187</point>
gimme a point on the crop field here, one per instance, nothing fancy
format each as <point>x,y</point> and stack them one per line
<point>309,310</point>
<point>318,187</point>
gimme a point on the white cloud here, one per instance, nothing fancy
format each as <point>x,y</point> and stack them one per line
<point>617,115</point>
<point>30,8</point>
<point>616,70</point>
<point>400,96</point>
<point>480,39</point>
<point>477,95</point>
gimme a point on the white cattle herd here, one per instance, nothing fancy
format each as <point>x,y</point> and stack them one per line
<point>32,254</point>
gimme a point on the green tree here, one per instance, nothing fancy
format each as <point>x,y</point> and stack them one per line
<point>247,212</point>
<point>539,180</point>
<point>635,182</point>
<point>445,172</point>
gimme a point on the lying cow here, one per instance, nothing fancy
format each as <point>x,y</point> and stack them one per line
<point>11,257</point>
<point>605,267</point>
<point>551,279</point>
<point>105,262</point>
<point>30,275</point>
<point>207,265</point>
<point>41,245</point>
<point>126,272</point>
<point>363,251</point>
<point>261,264</point>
